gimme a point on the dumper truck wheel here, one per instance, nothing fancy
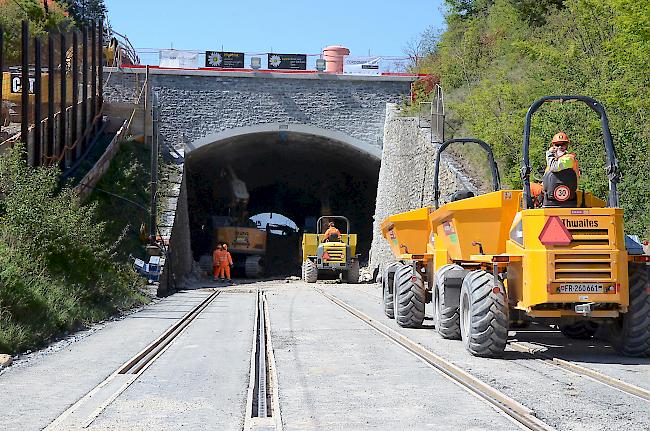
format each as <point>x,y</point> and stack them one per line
<point>352,275</point>
<point>483,315</point>
<point>579,330</point>
<point>409,297</point>
<point>387,279</point>
<point>309,271</point>
<point>630,333</point>
<point>253,267</point>
<point>446,317</point>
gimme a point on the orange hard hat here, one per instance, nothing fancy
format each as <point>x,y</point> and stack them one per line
<point>560,137</point>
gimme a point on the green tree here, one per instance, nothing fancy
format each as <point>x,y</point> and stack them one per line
<point>85,11</point>
<point>497,56</point>
<point>40,22</point>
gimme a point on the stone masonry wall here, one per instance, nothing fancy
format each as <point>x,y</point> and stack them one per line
<point>174,229</point>
<point>406,176</point>
<point>195,106</point>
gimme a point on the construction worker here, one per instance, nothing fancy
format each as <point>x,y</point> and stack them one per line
<point>225,262</point>
<point>216,261</point>
<point>557,157</point>
<point>561,176</point>
<point>332,231</point>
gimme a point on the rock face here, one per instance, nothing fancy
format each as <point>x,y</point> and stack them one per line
<point>406,176</point>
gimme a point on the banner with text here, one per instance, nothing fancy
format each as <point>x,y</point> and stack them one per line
<point>363,65</point>
<point>288,61</point>
<point>178,59</point>
<point>227,60</point>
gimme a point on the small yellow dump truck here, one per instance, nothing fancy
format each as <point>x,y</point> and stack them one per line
<point>330,256</point>
<point>486,261</point>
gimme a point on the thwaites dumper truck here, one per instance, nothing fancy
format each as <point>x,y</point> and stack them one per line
<point>336,256</point>
<point>485,261</point>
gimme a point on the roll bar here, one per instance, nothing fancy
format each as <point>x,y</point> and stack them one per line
<point>330,217</point>
<point>493,166</point>
<point>612,163</point>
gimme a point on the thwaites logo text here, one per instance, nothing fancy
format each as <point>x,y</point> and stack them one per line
<point>581,223</point>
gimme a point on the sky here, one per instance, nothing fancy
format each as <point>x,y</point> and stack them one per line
<point>379,27</point>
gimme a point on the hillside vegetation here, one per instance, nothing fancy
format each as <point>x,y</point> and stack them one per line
<point>58,265</point>
<point>497,56</point>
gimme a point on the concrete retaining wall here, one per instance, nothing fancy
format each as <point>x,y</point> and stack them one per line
<point>406,176</point>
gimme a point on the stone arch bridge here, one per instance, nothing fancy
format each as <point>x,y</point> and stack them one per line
<point>305,143</point>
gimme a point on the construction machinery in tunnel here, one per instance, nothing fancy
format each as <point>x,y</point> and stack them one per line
<point>246,243</point>
<point>333,256</point>
<point>565,262</point>
<point>299,176</point>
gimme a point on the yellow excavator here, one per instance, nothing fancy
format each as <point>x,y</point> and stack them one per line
<point>246,243</point>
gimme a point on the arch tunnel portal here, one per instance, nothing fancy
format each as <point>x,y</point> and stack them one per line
<point>301,172</point>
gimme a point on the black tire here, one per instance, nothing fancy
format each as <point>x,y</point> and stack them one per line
<point>387,278</point>
<point>630,334</point>
<point>309,271</point>
<point>446,318</point>
<point>579,330</point>
<point>352,274</point>
<point>483,315</point>
<point>409,297</point>
<point>253,267</point>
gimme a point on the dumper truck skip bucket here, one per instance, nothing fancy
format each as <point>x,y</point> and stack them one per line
<point>407,233</point>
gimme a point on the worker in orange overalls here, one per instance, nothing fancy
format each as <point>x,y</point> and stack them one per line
<point>225,262</point>
<point>216,259</point>
<point>332,230</point>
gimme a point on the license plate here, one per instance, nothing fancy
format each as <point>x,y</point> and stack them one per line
<point>581,288</point>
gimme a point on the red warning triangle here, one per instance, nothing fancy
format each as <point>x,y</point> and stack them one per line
<point>555,233</point>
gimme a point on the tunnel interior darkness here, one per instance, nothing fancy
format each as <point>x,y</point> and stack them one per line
<point>301,176</point>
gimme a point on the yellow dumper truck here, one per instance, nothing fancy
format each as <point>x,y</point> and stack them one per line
<point>484,260</point>
<point>330,256</point>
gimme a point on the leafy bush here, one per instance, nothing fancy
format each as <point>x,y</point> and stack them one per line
<point>497,56</point>
<point>56,268</point>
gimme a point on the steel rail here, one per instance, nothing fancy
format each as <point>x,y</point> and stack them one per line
<point>261,360</point>
<point>599,377</point>
<point>512,408</point>
<point>149,353</point>
<point>536,351</point>
<point>108,390</point>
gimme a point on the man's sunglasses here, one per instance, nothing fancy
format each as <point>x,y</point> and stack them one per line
<point>559,144</point>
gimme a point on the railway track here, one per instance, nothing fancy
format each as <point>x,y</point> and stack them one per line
<point>82,413</point>
<point>538,353</point>
<point>519,413</point>
<point>262,405</point>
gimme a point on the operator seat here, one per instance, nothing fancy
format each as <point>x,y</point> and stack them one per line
<point>560,189</point>
<point>333,238</point>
